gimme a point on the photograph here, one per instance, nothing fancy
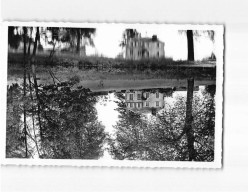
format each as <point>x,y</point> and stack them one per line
<point>114,93</point>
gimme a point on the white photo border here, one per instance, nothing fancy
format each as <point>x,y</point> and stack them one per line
<point>217,163</point>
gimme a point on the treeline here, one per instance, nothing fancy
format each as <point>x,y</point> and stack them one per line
<point>74,39</point>
<point>102,62</point>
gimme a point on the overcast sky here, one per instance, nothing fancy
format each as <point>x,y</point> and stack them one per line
<point>108,38</point>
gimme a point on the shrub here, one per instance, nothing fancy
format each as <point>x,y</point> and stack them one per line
<point>74,79</point>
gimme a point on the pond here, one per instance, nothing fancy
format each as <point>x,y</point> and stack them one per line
<point>65,120</point>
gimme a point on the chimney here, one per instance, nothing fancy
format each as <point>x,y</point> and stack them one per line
<point>154,38</point>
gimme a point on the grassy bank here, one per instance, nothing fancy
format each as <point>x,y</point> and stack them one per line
<point>105,73</point>
<point>16,71</point>
<point>88,62</point>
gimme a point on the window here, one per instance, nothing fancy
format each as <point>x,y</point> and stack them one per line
<point>138,105</point>
<point>147,95</point>
<point>139,97</point>
<point>131,52</point>
<point>131,105</point>
<point>158,44</point>
<point>157,54</point>
<point>147,104</point>
<point>157,104</point>
<point>157,95</point>
<point>131,96</point>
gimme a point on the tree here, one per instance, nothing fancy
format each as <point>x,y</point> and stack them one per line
<point>190,42</point>
<point>74,37</point>
<point>68,119</point>
<point>128,132</point>
<point>15,137</point>
<point>189,119</point>
<point>14,38</point>
<point>24,90</point>
<point>55,39</point>
<point>191,35</point>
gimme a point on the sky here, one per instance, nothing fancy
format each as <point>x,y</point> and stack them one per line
<point>108,38</point>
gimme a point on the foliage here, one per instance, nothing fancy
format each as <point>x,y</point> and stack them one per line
<point>15,147</point>
<point>68,127</point>
<point>141,138</point>
<point>72,129</point>
<point>14,39</point>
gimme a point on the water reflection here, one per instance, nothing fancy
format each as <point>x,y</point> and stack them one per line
<point>151,125</point>
<point>64,120</point>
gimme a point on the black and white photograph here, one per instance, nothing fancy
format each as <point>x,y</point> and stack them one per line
<point>114,94</point>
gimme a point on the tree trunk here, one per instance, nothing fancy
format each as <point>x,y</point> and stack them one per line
<point>31,91</point>
<point>30,40</point>
<point>24,91</point>
<point>37,37</point>
<point>35,79</point>
<point>190,45</point>
<point>33,108</point>
<point>83,50</point>
<point>78,41</point>
<point>189,119</point>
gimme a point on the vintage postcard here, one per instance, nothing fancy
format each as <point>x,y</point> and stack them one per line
<point>112,94</point>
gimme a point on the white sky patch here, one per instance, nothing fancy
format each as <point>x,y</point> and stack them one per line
<point>172,100</point>
<point>108,116</point>
<point>107,113</point>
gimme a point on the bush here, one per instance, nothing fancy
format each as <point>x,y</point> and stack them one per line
<point>74,79</point>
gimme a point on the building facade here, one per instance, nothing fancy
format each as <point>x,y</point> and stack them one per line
<point>144,48</point>
<point>144,101</point>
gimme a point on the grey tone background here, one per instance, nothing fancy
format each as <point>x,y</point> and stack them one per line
<point>235,170</point>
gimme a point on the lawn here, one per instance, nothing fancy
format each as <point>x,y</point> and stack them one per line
<point>107,74</point>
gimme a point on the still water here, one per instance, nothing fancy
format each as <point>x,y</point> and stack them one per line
<point>65,121</point>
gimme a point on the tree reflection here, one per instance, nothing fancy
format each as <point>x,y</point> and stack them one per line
<point>15,138</point>
<point>183,131</point>
<point>129,141</point>
<point>61,123</point>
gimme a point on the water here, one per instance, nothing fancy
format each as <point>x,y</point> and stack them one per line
<point>68,121</point>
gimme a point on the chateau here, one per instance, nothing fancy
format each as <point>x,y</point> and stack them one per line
<point>144,48</point>
<point>143,101</point>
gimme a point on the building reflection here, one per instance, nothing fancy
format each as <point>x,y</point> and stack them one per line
<point>149,100</point>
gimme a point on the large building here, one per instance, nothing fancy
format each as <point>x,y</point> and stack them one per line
<point>144,48</point>
<point>142,101</point>
<point>150,101</point>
